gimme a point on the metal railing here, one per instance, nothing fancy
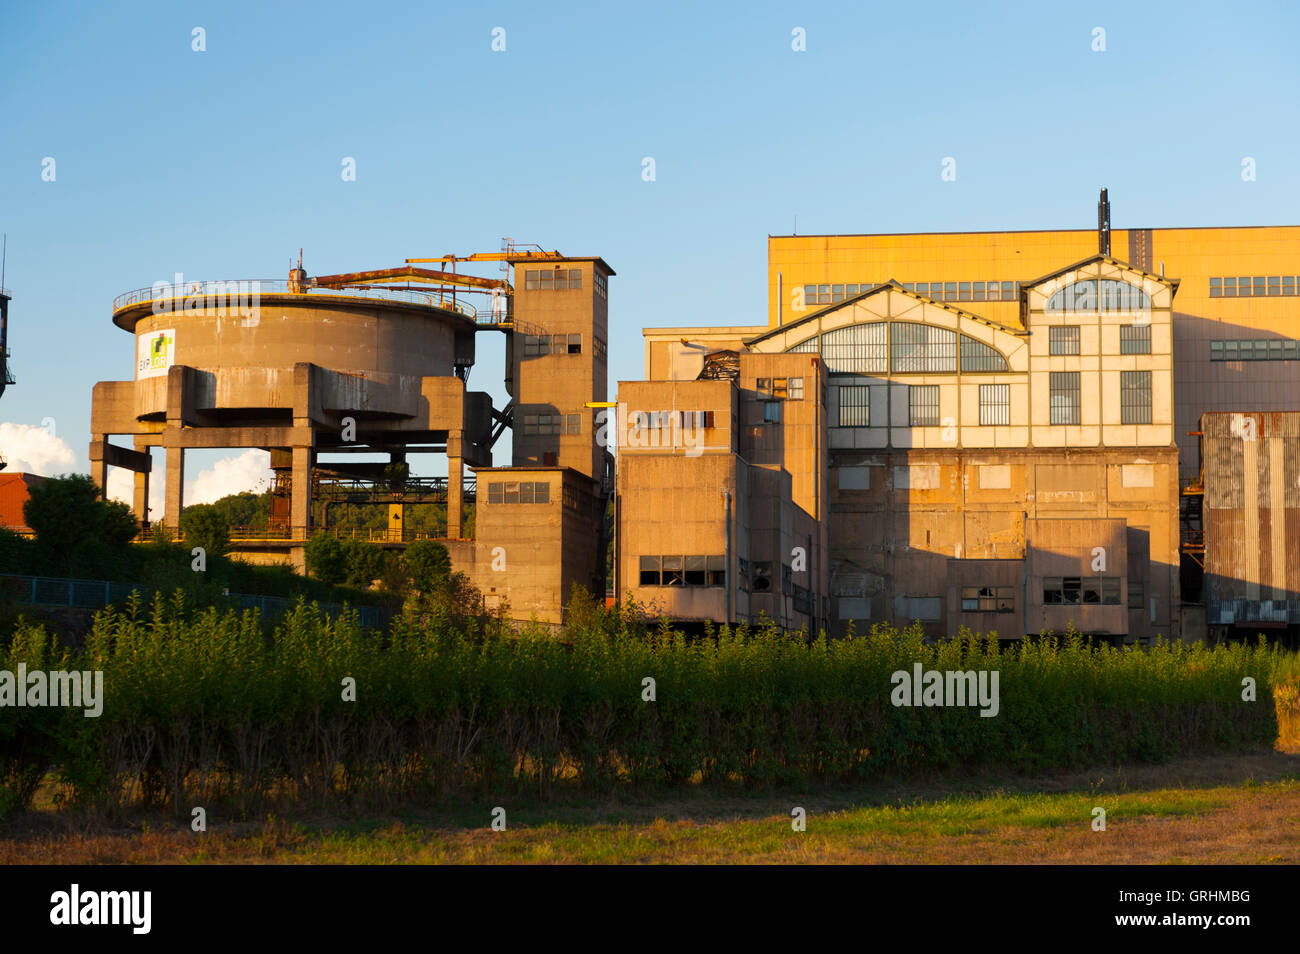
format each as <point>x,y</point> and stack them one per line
<point>302,534</point>
<point>233,294</point>
<point>94,594</point>
<point>342,487</point>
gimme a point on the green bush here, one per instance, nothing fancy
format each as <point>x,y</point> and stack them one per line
<point>203,525</point>
<point>76,533</point>
<point>202,705</point>
<point>428,564</point>
<point>326,559</point>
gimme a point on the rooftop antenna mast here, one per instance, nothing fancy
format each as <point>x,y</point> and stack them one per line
<point>1103,224</point>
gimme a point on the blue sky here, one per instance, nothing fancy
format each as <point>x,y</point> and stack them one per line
<point>222,163</point>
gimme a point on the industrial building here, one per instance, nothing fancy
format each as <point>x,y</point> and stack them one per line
<point>996,430</point>
<point>377,363</point>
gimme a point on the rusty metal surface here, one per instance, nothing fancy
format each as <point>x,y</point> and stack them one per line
<point>407,273</point>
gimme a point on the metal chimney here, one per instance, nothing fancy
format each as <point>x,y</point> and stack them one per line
<point>1103,224</point>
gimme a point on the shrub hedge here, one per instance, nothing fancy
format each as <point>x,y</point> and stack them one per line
<point>202,706</point>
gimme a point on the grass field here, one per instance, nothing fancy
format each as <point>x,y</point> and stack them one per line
<point>1242,809</point>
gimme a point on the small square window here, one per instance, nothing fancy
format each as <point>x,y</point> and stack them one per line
<point>794,389</point>
<point>716,567</point>
<point>496,492</point>
<point>512,492</point>
<point>650,571</point>
<point>541,492</point>
<point>672,571</point>
<point>696,570</point>
<point>1063,339</point>
<point>575,344</point>
<point>525,492</point>
<point>771,412</point>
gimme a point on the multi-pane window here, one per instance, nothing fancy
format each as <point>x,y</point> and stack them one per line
<point>1254,286</point>
<point>771,412</point>
<point>545,278</point>
<point>1063,397</point>
<point>855,405</point>
<point>519,492</point>
<point>599,281</point>
<point>857,349</point>
<point>988,599</point>
<point>550,424</point>
<point>599,348</point>
<point>995,404</point>
<point>1135,397</point>
<point>1135,594</point>
<point>977,356</point>
<point>864,349</point>
<point>830,294</point>
<point>1063,339</point>
<point>536,345</point>
<point>1076,591</point>
<point>923,405</point>
<point>1256,349</point>
<point>939,291</point>
<point>1099,295</point>
<point>1135,339</point>
<point>794,389</point>
<point>915,347</point>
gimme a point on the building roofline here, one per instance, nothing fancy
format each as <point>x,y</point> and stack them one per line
<point>517,259</point>
<point>891,285</point>
<point>1093,231</point>
<point>1119,262</point>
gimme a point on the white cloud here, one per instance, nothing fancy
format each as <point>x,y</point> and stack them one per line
<point>251,470</point>
<point>121,486</point>
<point>31,449</point>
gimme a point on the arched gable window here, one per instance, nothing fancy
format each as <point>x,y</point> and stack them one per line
<point>977,356</point>
<point>903,347</point>
<point>1099,295</point>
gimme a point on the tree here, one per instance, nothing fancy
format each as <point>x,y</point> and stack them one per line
<point>203,525</point>
<point>429,565</point>
<point>365,563</point>
<point>326,558</point>
<point>75,528</point>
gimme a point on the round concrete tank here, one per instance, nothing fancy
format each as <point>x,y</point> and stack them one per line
<point>229,327</point>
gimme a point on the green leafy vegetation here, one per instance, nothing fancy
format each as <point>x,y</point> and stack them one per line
<point>204,705</point>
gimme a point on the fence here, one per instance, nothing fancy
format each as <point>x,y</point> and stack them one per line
<point>93,594</point>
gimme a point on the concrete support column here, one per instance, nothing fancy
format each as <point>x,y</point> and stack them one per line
<point>300,495</point>
<point>455,495</point>
<point>98,466</point>
<point>175,486</point>
<point>140,506</point>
